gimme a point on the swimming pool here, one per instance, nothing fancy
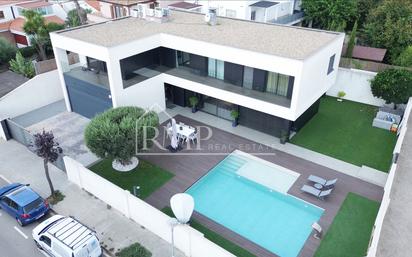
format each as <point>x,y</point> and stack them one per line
<point>276,221</point>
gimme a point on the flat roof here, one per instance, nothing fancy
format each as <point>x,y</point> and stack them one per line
<point>264,4</point>
<point>396,233</point>
<point>279,40</point>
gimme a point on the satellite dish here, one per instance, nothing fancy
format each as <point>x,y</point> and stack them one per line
<point>182,206</point>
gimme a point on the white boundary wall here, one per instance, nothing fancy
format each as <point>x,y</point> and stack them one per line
<point>356,84</point>
<point>373,245</point>
<point>39,91</point>
<point>188,240</point>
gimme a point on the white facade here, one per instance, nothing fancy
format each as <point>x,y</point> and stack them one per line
<point>311,78</point>
<point>6,11</point>
<point>243,10</point>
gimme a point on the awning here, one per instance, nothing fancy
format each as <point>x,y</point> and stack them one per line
<point>264,4</point>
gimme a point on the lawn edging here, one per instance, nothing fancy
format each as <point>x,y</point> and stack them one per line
<point>350,231</point>
<point>215,237</point>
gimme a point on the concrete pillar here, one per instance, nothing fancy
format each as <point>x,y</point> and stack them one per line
<point>62,66</point>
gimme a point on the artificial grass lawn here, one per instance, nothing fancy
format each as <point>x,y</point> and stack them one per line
<point>148,176</point>
<point>343,130</point>
<point>214,237</point>
<point>351,229</point>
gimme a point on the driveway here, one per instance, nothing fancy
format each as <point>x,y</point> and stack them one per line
<point>9,81</point>
<point>68,129</point>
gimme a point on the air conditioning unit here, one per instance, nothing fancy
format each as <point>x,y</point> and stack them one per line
<point>211,16</point>
<point>139,11</point>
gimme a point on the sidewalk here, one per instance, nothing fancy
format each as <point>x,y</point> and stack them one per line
<point>18,164</point>
<point>115,231</point>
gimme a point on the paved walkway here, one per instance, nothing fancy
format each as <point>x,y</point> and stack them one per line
<point>68,128</point>
<point>9,81</point>
<point>17,164</point>
<point>365,173</point>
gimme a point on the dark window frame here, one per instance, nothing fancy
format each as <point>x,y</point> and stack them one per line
<point>331,64</point>
<point>2,15</point>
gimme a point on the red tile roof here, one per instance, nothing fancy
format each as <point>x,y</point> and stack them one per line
<point>35,4</point>
<point>94,3</point>
<point>366,53</point>
<point>5,26</point>
<point>18,23</point>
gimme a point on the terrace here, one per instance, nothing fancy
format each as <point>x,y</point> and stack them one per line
<point>189,166</point>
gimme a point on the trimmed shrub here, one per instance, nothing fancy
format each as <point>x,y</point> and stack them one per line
<point>118,133</point>
<point>134,250</point>
<point>7,51</point>
<point>393,86</point>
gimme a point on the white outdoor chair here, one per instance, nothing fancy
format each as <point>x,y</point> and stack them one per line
<point>193,137</point>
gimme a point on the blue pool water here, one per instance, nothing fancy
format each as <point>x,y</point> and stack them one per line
<point>277,222</point>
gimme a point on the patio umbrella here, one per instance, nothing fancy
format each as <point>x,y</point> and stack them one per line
<point>174,140</point>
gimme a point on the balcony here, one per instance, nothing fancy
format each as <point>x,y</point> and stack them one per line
<point>90,76</point>
<point>189,74</point>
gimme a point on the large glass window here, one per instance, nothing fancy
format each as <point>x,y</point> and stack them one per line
<point>331,63</point>
<point>277,84</point>
<point>216,68</point>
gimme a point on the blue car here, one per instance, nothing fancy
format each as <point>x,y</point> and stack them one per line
<point>22,203</point>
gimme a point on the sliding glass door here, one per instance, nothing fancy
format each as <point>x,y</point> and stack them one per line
<point>277,84</point>
<point>216,68</point>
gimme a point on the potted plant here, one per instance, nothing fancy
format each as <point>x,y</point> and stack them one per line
<point>118,134</point>
<point>193,101</point>
<point>235,115</point>
<point>341,94</point>
<point>284,136</point>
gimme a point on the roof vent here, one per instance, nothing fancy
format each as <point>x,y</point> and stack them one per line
<point>143,11</point>
<point>211,16</point>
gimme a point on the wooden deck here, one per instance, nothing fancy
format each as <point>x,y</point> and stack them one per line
<point>188,168</point>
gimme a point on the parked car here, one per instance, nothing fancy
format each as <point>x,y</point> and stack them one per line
<point>61,236</point>
<point>21,202</point>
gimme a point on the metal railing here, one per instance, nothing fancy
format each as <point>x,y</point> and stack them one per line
<point>296,17</point>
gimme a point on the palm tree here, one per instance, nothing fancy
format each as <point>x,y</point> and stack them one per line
<point>80,12</point>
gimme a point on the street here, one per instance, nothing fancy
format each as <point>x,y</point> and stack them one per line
<point>16,241</point>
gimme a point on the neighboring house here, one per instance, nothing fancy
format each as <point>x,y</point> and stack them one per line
<point>113,9</point>
<point>283,11</point>
<point>11,25</point>
<point>273,75</point>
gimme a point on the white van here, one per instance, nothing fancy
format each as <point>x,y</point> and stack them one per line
<point>61,236</point>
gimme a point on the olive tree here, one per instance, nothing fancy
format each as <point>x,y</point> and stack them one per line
<point>393,86</point>
<point>120,133</point>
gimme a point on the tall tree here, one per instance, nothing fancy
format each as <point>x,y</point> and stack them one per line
<point>330,14</point>
<point>36,27</point>
<point>73,19</point>
<point>81,13</point>
<point>47,148</point>
<point>390,26</point>
<point>352,40</point>
<point>405,58</point>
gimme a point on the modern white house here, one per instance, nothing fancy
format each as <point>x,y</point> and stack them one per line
<point>279,11</point>
<point>273,75</point>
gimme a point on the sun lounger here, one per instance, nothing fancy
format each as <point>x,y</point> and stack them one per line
<point>316,192</point>
<point>325,183</point>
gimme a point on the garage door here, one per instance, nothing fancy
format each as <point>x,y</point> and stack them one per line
<point>85,98</point>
